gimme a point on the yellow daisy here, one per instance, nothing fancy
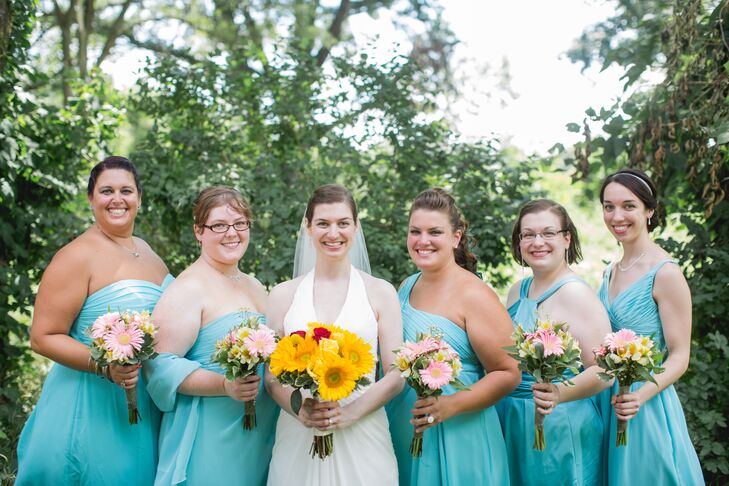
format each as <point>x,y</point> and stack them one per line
<point>358,353</point>
<point>336,377</point>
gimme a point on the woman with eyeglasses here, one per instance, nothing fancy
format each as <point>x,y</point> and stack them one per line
<point>78,432</point>
<point>646,292</point>
<point>202,440</point>
<point>545,239</point>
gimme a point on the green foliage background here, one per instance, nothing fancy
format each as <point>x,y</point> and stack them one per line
<point>266,114</point>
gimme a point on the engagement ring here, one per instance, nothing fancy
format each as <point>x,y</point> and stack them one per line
<point>431,419</point>
<point>124,383</point>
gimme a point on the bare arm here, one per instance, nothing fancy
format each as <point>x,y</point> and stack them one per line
<point>576,304</point>
<point>389,326</point>
<point>178,315</point>
<point>489,329</point>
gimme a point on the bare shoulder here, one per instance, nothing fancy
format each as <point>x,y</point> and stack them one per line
<point>670,277</point>
<point>141,244</point>
<point>514,292</point>
<point>284,292</point>
<point>476,292</point>
<point>377,287</point>
<point>75,259</point>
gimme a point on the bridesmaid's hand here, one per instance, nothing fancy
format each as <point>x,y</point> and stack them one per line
<point>242,389</point>
<point>546,397</point>
<point>319,415</point>
<point>429,412</point>
<point>125,376</point>
<point>626,406</point>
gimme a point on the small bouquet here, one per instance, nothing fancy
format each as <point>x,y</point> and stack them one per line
<point>629,358</point>
<point>545,354</point>
<point>428,365</point>
<point>123,338</point>
<point>239,353</point>
<point>328,361</point>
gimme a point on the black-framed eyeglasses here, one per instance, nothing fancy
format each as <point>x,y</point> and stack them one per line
<point>223,227</point>
<point>546,235</point>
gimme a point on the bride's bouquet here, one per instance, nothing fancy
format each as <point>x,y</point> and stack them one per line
<point>545,354</point>
<point>629,358</point>
<point>239,353</point>
<point>428,365</point>
<point>327,360</point>
<point>122,338</point>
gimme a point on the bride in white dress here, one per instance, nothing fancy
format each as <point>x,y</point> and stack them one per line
<point>334,291</point>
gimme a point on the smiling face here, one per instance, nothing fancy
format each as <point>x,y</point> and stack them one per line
<point>115,200</point>
<point>540,252</point>
<point>332,229</point>
<point>226,248</point>
<point>431,239</point>
<point>624,213</point>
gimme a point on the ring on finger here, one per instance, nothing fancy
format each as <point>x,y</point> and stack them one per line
<point>329,421</point>
<point>123,383</point>
<point>431,419</point>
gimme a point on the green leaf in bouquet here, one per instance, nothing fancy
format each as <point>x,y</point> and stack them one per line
<point>645,375</point>
<point>604,376</point>
<point>296,401</point>
<point>458,385</point>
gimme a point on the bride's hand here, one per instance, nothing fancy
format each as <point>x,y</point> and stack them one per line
<point>320,415</point>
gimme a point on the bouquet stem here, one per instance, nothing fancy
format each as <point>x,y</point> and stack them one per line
<point>249,418</point>
<point>132,410</point>
<point>322,446</point>
<point>416,445</point>
<point>621,438</point>
<point>539,440</point>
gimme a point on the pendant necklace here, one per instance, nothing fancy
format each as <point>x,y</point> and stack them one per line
<point>134,252</point>
<point>631,264</point>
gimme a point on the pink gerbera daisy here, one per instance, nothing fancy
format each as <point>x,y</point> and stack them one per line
<point>260,343</point>
<point>551,343</point>
<point>437,375</point>
<point>103,324</point>
<point>123,341</point>
<point>619,339</point>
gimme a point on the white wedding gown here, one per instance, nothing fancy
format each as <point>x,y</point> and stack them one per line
<point>363,453</point>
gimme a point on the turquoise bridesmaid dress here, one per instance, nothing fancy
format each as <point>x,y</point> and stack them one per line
<point>467,449</point>
<point>79,432</point>
<point>573,431</point>
<point>202,440</point>
<point>659,449</point>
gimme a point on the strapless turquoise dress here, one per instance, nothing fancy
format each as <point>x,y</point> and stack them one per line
<point>79,432</point>
<point>202,440</point>
<point>659,449</point>
<point>573,431</point>
<point>467,449</point>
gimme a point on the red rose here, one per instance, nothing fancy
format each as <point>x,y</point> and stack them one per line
<point>299,333</point>
<point>320,332</point>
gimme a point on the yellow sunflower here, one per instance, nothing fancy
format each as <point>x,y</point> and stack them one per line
<point>292,354</point>
<point>336,377</point>
<point>358,353</point>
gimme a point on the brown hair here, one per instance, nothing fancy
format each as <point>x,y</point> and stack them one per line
<point>574,252</point>
<point>330,194</point>
<point>113,162</point>
<point>637,182</point>
<point>216,196</point>
<point>438,199</point>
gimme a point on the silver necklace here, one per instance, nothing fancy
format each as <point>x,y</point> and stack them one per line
<point>134,252</point>
<point>631,264</point>
<point>237,277</point>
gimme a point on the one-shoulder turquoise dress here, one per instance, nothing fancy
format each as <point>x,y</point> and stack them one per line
<point>202,440</point>
<point>659,449</point>
<point>79,431</point>
<point>573,431</point>
<point>467,449</point>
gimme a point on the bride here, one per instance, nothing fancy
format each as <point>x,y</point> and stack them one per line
<point>327,288</point>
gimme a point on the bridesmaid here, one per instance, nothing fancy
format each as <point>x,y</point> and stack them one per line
<point>645,291</point>
<point>202,440</point>
<point>79,431</point>
<point>545,239</point>
<point>462,442</point>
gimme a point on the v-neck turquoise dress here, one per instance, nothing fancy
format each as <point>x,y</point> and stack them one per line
<point>467,449</point>
<point>202,440</point>
<point>79,432</point>
<point>659,449</point>
<point>573,431</point>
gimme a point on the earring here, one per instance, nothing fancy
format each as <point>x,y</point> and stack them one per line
<point>649,220</point>
<point>566,256</point>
